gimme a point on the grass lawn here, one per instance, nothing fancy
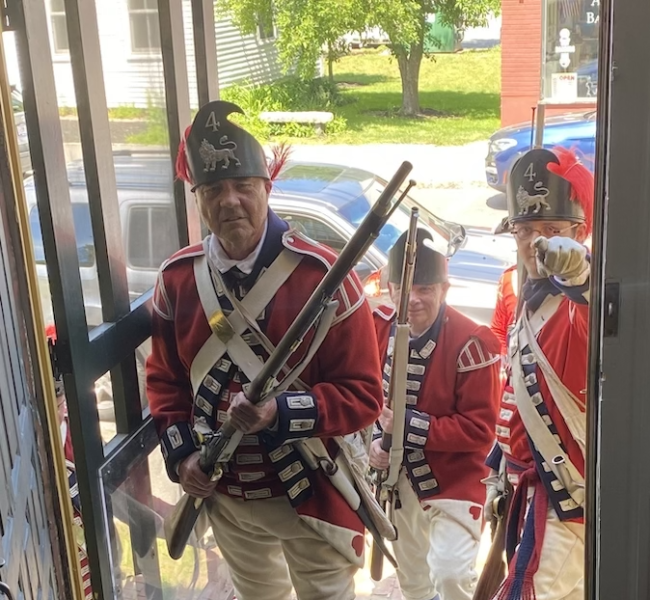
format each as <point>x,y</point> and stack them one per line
<point>464,87</point>
<point>459,96</point>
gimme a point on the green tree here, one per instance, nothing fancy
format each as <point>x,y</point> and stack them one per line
<point>405,23</point>
<point>307,29</point>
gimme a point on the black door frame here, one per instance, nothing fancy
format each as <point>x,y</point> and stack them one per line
<point>85,356</point>
<point>618,478</point>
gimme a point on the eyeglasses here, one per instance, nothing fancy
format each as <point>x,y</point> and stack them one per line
<point>526,232</point>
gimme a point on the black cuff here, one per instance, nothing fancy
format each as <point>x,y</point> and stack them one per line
<point>177,442</point>
<point>297,418</point>
<point>416,429</point>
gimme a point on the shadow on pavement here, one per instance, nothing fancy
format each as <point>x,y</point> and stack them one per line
<point>497,201</point>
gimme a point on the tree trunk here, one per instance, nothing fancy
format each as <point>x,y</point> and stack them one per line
<point>330,67</point>
<point>409,70</point>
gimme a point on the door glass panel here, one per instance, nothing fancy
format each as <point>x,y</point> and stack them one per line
<point>138,496</point>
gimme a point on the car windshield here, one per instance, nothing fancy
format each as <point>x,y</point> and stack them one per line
<point>356,210</point>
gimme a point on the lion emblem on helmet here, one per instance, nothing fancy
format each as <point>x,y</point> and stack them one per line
<point>211,156</point>
<point>536,202</point>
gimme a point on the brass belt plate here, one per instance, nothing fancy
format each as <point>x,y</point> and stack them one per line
<point>221,327</point>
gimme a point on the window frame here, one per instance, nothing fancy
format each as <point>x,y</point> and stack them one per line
<point>262,37</point>
<point>57,15</point>
<point>149,13</point>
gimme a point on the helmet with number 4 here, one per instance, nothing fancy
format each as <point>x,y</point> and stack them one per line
<point>550,185</point>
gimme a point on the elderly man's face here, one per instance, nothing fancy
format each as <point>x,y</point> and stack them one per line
<point>235,210</point>
<point>424,304</point>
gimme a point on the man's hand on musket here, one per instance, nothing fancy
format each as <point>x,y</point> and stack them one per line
<point>250,418</point>
<point>378,458</point>
<point>386,419</point>
<point>193,480</point>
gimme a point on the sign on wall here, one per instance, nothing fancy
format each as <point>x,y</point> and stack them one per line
<point>570,65</point>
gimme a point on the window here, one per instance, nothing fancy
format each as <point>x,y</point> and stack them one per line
<point>152,236</point>
<point>59,27</point>
<point>323,233</point>
<point>265,30</point>
<point>145,31</point>
<point>570,69</point>
<point>316,230</point>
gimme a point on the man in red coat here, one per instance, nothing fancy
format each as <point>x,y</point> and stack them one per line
<point>452,400</point>
<point>503,317</point>
<point>541,427</point>
<point>219,308</point>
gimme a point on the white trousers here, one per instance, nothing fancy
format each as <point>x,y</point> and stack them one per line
<point>561,567</point>
<point>268,547</point>
<point>436,547</point>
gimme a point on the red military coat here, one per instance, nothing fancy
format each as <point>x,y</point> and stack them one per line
<point>563,340</point>
<point>344,377</point>
<point>460,395</point>
<point>503,317</point>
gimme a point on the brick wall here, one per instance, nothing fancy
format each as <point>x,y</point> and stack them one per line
<point>521,56</point>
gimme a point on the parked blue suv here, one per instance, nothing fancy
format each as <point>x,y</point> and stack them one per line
<point>572,130</point>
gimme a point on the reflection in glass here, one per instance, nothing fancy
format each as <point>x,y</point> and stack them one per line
<point>105,407</point>
<point>138,496</point>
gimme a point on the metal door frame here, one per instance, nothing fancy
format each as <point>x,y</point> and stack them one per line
<point>85,356</point>
<point>618,477</point>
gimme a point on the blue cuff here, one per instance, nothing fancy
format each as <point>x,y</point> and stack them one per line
<point>177,442</point>
<point>416,429</point>
<point>297,418</point>
<point>493,459</point>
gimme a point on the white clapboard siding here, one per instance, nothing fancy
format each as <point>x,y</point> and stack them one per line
<point>137,79</point>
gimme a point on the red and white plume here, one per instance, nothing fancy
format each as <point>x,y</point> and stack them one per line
<point>280,155</point>
<point>182,166</point>
<point>580,178</point>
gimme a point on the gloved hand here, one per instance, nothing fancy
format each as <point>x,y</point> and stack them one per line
<point>562,257</point>
<point>494,488</point>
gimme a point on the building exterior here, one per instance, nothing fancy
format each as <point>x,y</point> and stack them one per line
<point>556,62</point>
<point>132,61</point>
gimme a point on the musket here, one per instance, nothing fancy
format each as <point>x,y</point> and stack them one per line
<point>494,570</point>
<point>218,448</point>
<point>386,481</point>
